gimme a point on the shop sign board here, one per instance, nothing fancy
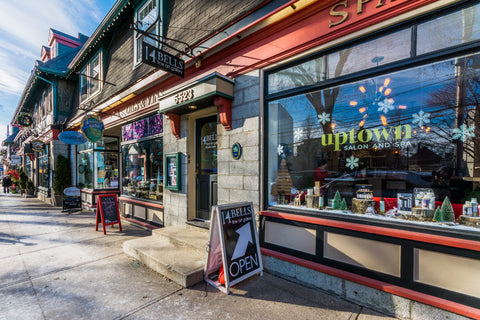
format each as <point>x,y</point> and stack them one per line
<point>72,137</point>
<point>233,245</point>
<point>107,211</point>
<point>92,128</point>
<point>162,60</point>
<point>15,159</point>
<point>37,145</point>
<point>172,172</point>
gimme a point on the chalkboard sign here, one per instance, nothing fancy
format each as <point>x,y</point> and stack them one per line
<point>71,202</point>
<point>107,211</point>
<point>233,244</point>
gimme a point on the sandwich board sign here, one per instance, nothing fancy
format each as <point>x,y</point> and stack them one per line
<point>233,245</point>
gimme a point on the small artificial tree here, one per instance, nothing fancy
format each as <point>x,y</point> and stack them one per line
<point>62,176</point>
<point>447,209</point>
<point>438,216</point>
<point>343,205</point>
<point>337,200</point>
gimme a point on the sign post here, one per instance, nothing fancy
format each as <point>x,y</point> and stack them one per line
<point>107,212</point>
<point>233,245</point>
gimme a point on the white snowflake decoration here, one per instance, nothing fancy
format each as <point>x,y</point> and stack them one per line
<point>421,118</point>
<point>323,118</point>
<point>386,105</point>
<point>352,162</point>
<point>298,135</point>
<point>280,150</point>
<point>463,133</point>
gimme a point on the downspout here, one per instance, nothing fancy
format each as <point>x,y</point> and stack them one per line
<point>54,85</point>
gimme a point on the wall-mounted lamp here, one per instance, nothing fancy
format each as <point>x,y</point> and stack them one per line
<point>198,63</point>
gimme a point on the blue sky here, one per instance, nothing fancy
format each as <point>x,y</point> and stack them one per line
<point>24,26</point>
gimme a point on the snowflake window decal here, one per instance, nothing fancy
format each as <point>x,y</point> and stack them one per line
<point>386,105</point>
<point>298,135</point>
<point>280,150</point>
<point>463,133</point>
<point>352,162</point>
<point>323,118</point>
<point>421,118</point>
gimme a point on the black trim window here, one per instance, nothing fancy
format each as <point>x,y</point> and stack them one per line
<point>369,121</point>
<point>97,164</point>
<point>90,78</point>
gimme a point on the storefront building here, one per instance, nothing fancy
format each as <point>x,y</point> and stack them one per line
<point>43,109</point>
<point>373,99</point>
<point>368,138</point>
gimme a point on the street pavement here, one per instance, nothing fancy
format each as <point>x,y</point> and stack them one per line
<point>54,265</point>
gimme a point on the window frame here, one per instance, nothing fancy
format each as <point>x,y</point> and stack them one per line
<point>457,50</point>
<point>86,73</point>
<point>158,28</point>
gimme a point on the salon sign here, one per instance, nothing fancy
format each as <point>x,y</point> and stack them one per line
<point>92,128</point>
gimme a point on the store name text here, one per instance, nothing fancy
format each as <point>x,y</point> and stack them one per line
<point>353,137</point>
<point>336,11</point>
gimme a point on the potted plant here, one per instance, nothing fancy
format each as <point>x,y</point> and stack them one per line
<point>61,179</point>
<point>30,187</point>
<point>22,182</point>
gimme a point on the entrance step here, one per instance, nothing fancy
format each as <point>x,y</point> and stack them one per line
<point>176,253</point>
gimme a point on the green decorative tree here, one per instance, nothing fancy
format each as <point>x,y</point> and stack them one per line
<point>23,179</point>
<point>343,205</point>
<point>438,215</point>
<point>62,176</point>
<point>447,209</point>
<point>337,200</point>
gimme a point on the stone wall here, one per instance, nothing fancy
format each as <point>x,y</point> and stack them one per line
<point>239,180</point>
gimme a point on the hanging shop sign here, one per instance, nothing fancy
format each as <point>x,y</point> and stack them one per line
<point>15,160</point>
<point>37,145</point>
<point>72,137</point>
<point>92,128</point>
<point>162,60</point>
<point>236,151</point>
<point>233,245</point>
<point>24,120</point>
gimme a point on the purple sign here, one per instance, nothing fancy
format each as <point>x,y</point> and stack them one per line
<point>143,128</point>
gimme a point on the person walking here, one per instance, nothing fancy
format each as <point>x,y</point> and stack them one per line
<point>7,182</point>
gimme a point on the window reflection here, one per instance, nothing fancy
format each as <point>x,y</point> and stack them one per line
<point>413,128</point>
<point>143,169</point>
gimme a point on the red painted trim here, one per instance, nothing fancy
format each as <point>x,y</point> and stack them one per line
<point>143,224</point>
<point>67,41</point>
<point>395,233</point>
<point>99,192</point>
<point>225,111</point>
<point>174,124</point>
<point>147,204</point>
<point>379,285</point>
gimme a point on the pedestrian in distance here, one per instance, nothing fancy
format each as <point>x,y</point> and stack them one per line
<point>7,182</point>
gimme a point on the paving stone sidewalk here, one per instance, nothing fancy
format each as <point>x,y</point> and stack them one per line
<point>54,265</point>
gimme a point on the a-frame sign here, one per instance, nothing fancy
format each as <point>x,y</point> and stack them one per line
<point>233,245</point>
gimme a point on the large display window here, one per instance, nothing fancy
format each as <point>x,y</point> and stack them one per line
<point>97,164</point>
<point>143,169</point>
<point>398,141</point>
<point>44,167</point>
<point>142,158</point>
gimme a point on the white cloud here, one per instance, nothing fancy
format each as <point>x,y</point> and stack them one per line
<point>24,27</point>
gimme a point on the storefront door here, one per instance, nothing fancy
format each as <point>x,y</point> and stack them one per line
<point>206,166</point>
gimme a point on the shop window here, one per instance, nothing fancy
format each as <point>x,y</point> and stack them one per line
<point>147,19</point>
<point>143,169</point>
<point>97,164</point>
<point>405,134</point>
<point>90,78</point>
<point>454,29</point>
<point>44,168</point>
